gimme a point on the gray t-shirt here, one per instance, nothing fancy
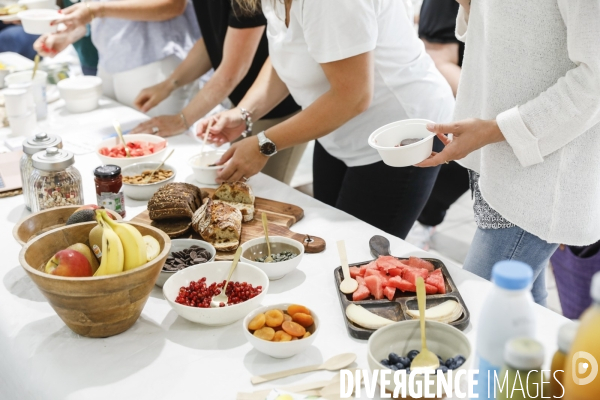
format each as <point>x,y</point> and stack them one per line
<point>124,45</point>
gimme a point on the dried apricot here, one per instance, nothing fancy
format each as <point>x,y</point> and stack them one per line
<point>307,334</point>
<point>274,318</point>
<point>303,319</point>
<point>287,317</point>
<point>282,336</point>
<point>296,308</point>
<point>293,328</point>
<point>265,333</point>
<point>257,322</point>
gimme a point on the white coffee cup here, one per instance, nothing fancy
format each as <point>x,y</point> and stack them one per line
<point>38,89</point>
<point>16,102</point>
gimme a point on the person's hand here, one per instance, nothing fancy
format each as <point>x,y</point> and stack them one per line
<point>152,96</point>
<point>49,45</point>
<point>167,125</point>
<point>225,127</point>
<point>243,159</point>
<point>76,15</point>
<point>468,135</point>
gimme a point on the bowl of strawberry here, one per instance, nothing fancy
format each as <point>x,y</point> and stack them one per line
<point>142,148</point>
<point>189,292</point>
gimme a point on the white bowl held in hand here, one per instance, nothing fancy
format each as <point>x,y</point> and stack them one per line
<point>404,336</point>
<point>386,140</point>
<point>216,271</point>
<point>81,93</point>
<point>124,162</point>
<point>255,248</point>
<point>200,164</point>
<point>145,191</point>
<point>37,22</point>
<point>181,244</point>
<point>280,349</point>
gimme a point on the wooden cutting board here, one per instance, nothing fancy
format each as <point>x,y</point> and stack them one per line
<point>281,217</point>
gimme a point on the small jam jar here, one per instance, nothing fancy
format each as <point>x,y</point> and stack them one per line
<point>109,182</point>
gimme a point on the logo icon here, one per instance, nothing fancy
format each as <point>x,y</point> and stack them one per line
<point>580,368</point>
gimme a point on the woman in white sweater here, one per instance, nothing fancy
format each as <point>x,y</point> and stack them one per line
<point>531,77</point>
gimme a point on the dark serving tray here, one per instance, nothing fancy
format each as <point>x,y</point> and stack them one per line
<point>396,309</point>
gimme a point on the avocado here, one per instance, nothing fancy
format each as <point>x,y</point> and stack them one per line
<point>82,216</point>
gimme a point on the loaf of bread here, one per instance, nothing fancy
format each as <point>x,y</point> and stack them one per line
<point>219,224</point>
<point>175,200</point>
<point>238,195</point>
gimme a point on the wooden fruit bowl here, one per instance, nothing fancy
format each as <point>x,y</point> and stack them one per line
<point>95,306</point>
<point>45,221</point>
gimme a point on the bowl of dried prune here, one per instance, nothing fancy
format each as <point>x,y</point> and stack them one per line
<point>185,253</point>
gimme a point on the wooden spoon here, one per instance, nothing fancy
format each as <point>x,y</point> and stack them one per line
<point>147,179</point>
<point>349,284</point>
<point>222,297</point>
<point>117,126</point>
<point>36,64</point>
<point>206,136</point>
<point>269,259</point>
<point>333,364</point>
<point>425,360</point>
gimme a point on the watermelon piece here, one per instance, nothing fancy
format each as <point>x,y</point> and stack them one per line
<point>375,285</point>
<point>360,280</point>
<point>411,274</point>
<point>416,262</point>
<point>401,284</point>
<point>395,271</point>
<point>384,277</point>
<point>361,293</point>
<point>364,268</point>
<point>389,292</point>
<point>386,263</point>
<point>160,145</point>
<point>354,272</point>
<point>430,289</point>
<point>436,278</point>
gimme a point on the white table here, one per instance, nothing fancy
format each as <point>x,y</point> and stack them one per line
<point>166,357</point>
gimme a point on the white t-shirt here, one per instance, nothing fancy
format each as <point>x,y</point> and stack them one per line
<point>407,84</point>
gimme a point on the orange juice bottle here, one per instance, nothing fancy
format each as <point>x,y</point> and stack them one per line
<point>566,336</point>
<point>582,374</point>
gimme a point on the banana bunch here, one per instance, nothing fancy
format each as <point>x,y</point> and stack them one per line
<point>113,254</point>
<point>132,240</point>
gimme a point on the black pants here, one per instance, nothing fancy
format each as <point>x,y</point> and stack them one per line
<point>386,197</point>
<point>451,183</point>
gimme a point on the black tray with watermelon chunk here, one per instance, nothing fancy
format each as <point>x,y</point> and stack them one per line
<point>399,294</point>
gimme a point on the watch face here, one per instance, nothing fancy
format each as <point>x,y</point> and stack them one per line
<point>268,148</point>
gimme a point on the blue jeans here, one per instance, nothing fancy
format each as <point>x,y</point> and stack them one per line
<point>13,38</point>
<point>492,245</point>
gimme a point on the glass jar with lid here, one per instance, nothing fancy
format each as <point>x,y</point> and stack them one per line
<point>41,141</point>
<point>109,181</point>
<point>54,182</point>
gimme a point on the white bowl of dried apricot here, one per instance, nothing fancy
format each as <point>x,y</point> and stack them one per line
<point>136,184</point>
<point>281,330</point>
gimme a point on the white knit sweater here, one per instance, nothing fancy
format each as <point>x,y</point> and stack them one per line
<point>534,65</point>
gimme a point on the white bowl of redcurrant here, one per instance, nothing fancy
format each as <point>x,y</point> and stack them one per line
<point>395,346</point>
<point>190,291</point>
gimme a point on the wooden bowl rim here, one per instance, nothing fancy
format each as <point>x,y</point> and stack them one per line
<point>149,264</point>
<point>15,231</point>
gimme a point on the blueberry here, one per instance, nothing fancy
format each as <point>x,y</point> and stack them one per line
<point>449,362</point>
<point>412,354</point>
<point>401,365</point>
<point>443,368</point>
<point>407,371</point>
<point>394,358</point>
<point>385,362</point>
<point>405,361</point>
<point>393,367</point>
<point>459,360</point>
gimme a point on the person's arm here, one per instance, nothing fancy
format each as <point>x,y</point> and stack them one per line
<point>238,53</point>
<point>462,19</point>
<point>134,10</point>
<point>49,45</point>
<point>351,90</point>
<point>554,118</point>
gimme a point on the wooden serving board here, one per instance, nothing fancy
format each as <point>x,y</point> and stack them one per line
<point>281,217</point>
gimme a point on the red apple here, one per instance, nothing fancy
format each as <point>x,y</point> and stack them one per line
<point>69,262</point>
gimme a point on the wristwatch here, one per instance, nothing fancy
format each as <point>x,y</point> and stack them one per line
<point>266,145</point>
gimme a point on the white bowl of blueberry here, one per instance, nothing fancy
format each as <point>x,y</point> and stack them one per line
<point>395,346</point>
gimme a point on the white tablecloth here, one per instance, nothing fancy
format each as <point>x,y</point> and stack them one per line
<point>164,356</point>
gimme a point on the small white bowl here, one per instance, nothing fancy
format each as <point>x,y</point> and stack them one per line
<point>279,349</point>
<point>255,248</point>
<point>181,244</point>
<point>81,93</point>
<point>216,271</point>
<point>124,162</point>
<point>36,4</point>
<point>200,165</point>
<point>404,336</point>
<point>144,191</point>
<point>37,22</point>
<point>386,138</point>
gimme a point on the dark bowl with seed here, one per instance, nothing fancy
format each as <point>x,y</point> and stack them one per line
<point>287,254</point>
<point>185,253</point>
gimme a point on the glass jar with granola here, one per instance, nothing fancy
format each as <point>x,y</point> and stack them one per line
<point>41,141</point>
